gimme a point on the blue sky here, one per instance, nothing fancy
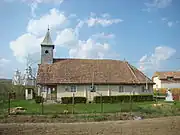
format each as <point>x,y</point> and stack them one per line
<point>144,32</point>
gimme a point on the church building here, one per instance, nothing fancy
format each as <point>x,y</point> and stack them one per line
<point>63,77</point>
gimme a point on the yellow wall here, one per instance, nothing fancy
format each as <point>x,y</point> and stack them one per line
<point>83,90</point>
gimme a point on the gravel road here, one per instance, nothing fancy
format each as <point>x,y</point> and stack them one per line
<point>156,126</point>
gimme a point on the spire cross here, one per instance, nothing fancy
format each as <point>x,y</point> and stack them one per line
<point>48,27</point>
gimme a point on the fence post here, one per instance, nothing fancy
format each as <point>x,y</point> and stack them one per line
<point>42,106</point>
<point>101,104</point>
<point>157,91</point>
<point>73,103</point>
<point>130,103</point>
<point>9,103</point>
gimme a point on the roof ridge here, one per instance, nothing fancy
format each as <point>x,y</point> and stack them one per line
<point>132,71</point>
<point>144,75</point>
<point>86,59</point>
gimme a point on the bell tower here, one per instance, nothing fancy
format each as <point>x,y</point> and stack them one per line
<point>47,48</point>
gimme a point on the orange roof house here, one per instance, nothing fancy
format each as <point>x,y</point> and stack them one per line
<point>166,79</point>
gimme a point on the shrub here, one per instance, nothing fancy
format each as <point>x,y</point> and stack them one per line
<point>163,90</point>
<point>39,99</point>
<point>123,98</point>
<point>68,100</point>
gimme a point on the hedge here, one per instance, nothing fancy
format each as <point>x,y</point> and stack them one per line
<point>39,99</point>
<point>69,100</point>
<point>123,98</point>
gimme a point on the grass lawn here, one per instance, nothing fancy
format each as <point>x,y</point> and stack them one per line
<point>33,108</point>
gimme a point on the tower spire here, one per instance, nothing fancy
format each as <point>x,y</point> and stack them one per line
<point>47,39</point>
<point>48,27</point>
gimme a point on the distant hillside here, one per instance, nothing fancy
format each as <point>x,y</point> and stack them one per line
<point>5,80</point>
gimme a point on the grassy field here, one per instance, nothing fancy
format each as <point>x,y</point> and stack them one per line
<point>145,107</point>
<point>53,113</point>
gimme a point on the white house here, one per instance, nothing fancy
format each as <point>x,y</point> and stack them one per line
<point>87,77</point>
<point>169,79</point>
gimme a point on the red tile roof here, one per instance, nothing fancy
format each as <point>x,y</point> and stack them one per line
<point>164,75</point>
<point>85,71</point>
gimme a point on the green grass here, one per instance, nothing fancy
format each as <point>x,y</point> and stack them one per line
<point>144,107</point>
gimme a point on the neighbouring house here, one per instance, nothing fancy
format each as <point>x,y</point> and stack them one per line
<point>64,77</point>
<point>169,79</point>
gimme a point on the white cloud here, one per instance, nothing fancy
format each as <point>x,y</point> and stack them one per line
<point>39,26</point>
<point>33,4</point>
<point>90,49</point>
<point>72,16</point>
<point>66,37</point>
<point>106,15</point>
<point>168,22</point>
<point>29,43</point>
<point>103,36</point>
<point>25,44</point>
<point>36,29</point>
<point>158,3</point>
<point>101,21</point>
<point>83,49</point>
<point>153,61</point>
<point>164,19</point>
<point>151,5</point>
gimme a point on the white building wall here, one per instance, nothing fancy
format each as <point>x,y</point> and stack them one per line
<point>28,94</point>
<point>170,85</point>
<point>158,83</point>
<point>83,91</point>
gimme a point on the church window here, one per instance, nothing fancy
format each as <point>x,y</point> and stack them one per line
<point>73,88</point>
<point>121,88</point>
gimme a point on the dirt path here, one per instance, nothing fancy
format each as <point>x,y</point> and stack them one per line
<point>158,126</point>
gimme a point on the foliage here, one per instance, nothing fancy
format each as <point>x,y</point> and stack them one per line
<point>139,107</point>
<point>163,90</point>
<point>39,99</point>
<point>69,100</point>
<point>5,87</point>
<point>123,98</point>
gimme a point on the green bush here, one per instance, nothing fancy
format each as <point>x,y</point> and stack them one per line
<point>123,98</point>
<point>39,99</point>
<point>68,100</point>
